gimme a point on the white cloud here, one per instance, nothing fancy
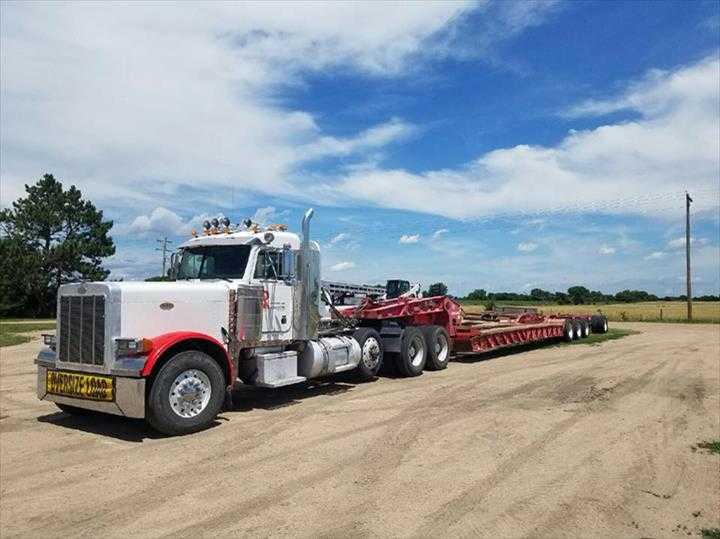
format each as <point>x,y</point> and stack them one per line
<point>342,266</point>
<point>633,167</point>
<point>606,250</point>
<point>161,220</point>
<point>678,243</point>
<point>439,233</point>
<point>406,238</point>
<point>267,215</point>
<point>527,247</point>
<point>152,95</point>
<point>656,255</point>
<point>340,237</point>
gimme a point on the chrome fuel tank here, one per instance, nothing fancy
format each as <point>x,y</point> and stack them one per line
<point>328,355</point>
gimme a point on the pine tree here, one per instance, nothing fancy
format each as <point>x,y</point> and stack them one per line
<point>50,237</point>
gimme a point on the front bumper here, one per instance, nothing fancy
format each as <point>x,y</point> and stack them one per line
<point>129,392</point>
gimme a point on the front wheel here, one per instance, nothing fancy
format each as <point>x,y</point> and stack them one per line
<point>371,353</point>
<point>186,395</point>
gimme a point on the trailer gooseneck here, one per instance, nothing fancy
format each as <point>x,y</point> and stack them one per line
<point>246,305</point>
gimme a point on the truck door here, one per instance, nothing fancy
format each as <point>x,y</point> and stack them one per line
<point>277,299</point>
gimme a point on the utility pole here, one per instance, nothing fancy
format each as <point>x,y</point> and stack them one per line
<point>164,250</point>
<point>688,200</point>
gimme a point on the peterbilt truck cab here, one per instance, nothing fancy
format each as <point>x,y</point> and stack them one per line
<point>244,306</point>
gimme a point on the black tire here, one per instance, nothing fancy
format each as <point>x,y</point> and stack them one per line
<point>160,413</point>
<point>438,347</point>
<point>578,329</point>
<point>74,410</point>
<point>372,353</point>
<point>568,331</point>
<point>599,323</point>
<point>584,329</point>
<point>413,353</point>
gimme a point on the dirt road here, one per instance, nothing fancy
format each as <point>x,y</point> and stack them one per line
<point>574,441</point>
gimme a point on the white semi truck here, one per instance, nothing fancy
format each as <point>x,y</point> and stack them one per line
<point>244,304</point>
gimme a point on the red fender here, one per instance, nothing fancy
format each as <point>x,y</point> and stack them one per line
<point>162,343</point>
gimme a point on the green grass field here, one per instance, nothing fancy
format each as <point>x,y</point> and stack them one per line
<point>651,311</point>
<point>14,332</point>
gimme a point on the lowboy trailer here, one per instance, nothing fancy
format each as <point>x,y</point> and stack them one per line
<point>244,306</point>
<point>423,333</point>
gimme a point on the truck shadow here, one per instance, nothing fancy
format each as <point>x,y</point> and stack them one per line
<point>244,399</point>
<point>112,426</point>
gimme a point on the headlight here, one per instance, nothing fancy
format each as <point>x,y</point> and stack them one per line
<point>132,347</point>
<point>49,340</point>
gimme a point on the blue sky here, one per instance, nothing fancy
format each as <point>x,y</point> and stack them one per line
<point>492,145</point>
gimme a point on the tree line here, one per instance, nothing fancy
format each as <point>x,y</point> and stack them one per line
<point>577,295</point>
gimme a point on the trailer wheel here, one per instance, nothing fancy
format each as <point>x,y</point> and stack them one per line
<point>438,347</point>
<point>371,353</point>
<point>578,329</point>
<point>568,331</point>
<point>599,323</point>
<point>187,393</point>
<point>584,328</point>
<point>413,353</point>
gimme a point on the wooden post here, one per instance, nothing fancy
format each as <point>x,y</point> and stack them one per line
<point>688,200</point>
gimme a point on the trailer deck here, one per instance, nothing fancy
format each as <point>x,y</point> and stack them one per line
<point>470,333</point>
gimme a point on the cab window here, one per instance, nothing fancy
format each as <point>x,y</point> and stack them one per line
<point>269,265</point>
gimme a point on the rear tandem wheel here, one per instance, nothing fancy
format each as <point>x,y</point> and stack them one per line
<point>438,347</point>
<point>413,353</point>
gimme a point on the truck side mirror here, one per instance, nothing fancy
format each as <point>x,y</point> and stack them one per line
<point>288,264</point>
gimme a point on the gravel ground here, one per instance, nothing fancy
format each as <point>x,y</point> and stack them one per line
<point>574,441</point>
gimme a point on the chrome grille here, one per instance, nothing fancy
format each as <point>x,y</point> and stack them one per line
<point>82,329</point>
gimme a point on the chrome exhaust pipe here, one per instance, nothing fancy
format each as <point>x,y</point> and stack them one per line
<point>306,228</point>
<point>308,284</point>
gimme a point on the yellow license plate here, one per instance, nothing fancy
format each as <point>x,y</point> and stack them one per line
<point>80,386</point>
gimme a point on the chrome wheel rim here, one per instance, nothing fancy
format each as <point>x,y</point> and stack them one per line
<point>416,351</point>
<point>442,348</point>
<point>371,352</point>
<point>190,393</point>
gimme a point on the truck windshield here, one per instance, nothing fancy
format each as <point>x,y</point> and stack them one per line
<point>213,262</point>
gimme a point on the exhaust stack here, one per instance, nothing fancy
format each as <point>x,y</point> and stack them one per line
<point>306,228</point>
<point>308,286</point>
